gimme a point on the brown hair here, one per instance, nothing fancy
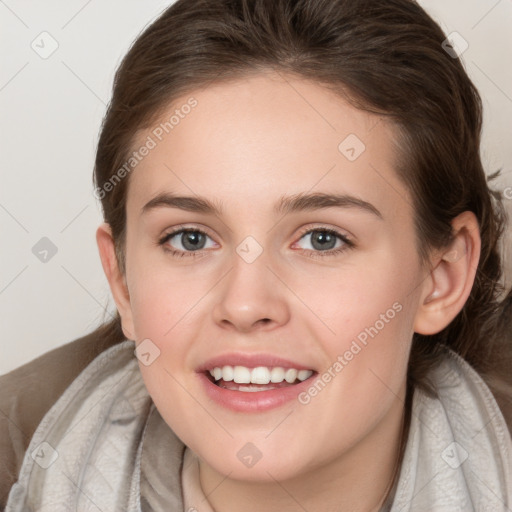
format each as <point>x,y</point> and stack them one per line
<point>385,57</point>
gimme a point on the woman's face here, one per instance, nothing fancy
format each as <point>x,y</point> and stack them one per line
<point>266,285</point>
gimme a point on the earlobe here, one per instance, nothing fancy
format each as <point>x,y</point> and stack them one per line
<point>116,279</point>
<point>451,279</point>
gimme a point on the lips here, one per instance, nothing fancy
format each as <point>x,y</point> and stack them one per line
<point>245,382</point>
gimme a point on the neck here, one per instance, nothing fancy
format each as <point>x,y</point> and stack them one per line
<point>357,481</point>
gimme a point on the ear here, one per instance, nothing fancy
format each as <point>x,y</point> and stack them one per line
<point>115,277</point>
<point>451,279</point>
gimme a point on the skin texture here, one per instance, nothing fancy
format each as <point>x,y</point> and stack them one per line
<point>246,144</point>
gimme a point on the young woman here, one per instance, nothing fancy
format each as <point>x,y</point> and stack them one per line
<point>303,250</point>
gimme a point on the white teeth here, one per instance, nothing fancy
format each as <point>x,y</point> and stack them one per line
<point>241,375</point>
<point>227,373</point>
<point>277,374</point>
<point>304,374</point>
<point>290,376</point>
<point>253,390</point>
<point>259,375</point>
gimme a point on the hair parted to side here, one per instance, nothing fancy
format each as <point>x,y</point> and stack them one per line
<point>386,58</point>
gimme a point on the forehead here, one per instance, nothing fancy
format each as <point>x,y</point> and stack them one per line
<point>258,137</point>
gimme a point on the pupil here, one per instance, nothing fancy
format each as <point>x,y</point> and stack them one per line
<point>322,238</point>
<point>192,240</point>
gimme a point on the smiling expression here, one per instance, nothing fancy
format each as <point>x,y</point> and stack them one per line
<point>254,234</point>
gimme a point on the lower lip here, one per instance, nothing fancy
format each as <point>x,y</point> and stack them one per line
<point>258,401</point>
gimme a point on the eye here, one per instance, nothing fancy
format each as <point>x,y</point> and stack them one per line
<point>325,242</point>
<point>191,241</point>
<point>185,241</point>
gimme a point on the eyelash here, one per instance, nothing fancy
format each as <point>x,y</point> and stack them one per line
<point>348,244</point>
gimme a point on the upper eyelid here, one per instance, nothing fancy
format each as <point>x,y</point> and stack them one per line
<point>337,231</point>
<point>181,228</point>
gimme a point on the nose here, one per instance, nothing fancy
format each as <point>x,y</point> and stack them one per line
<point>251,297</point>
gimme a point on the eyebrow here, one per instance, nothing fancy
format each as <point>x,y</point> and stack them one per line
<point>286,204</point>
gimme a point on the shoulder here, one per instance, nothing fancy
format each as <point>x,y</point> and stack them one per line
<point>28,392</point>
<point>457,433</point>
<point>468,395</point>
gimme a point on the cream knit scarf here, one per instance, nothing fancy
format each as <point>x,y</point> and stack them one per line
<point>86,454</point>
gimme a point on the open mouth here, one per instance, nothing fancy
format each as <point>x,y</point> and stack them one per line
<point>261,378</point>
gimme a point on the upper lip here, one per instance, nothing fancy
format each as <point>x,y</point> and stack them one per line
<point>250,361</point>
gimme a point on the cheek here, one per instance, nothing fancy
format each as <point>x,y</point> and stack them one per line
<point>354,298</point>
<point>162,300</point>
<point>366,367</point>
<point>370,315</point>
